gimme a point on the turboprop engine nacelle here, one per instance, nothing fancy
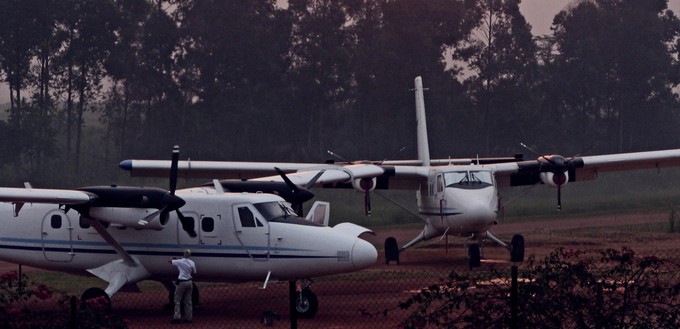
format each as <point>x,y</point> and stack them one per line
<point>364,184</point>
<point>554,179</point>
<point>139,218</point>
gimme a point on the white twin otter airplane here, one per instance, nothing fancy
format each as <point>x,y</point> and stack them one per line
<point>127,234</point>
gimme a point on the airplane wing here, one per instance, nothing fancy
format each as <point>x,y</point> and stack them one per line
<point>337,175</point>
<point>408,174</point>
<point>31,195</point>
<point>301,173</point>
<point>585,167</point>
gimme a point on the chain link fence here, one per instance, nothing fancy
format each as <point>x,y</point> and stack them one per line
<point>595,288</point>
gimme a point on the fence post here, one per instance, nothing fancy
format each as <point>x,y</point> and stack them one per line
<point>73,323</point>
<point>293,312</point>
<point>513,298</point>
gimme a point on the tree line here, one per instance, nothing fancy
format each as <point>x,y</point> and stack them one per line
<point>93,82</point>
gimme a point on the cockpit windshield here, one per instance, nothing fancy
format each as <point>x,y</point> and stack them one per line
<point>281,212</point>
<point>468,179</point>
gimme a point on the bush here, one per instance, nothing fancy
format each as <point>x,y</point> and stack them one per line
<point>568,289</point>
<point>25,304</point>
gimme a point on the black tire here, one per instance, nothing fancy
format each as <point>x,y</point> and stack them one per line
<point>517,248</point>
<point>475,255</point>
<point>306,304</point>
<point>391,250</point>
<point>95,299</point>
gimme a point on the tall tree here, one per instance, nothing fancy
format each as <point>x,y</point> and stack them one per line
<point>92,27</point>
<point>141,65</point>
<point>19,28</point>
<point>397,41</point>
<point>232,59</point>
<point>616,60</point>
<point>321,55</point>
<point>501,53</point>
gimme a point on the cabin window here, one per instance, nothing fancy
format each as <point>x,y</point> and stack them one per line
<point>55,221</point>
<point>207,224</point>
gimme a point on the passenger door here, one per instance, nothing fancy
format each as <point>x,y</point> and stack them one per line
<point>252,231</point>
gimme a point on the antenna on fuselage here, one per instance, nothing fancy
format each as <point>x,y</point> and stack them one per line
<point>421,124</point>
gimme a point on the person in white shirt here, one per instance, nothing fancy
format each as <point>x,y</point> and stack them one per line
<point>184,287</point>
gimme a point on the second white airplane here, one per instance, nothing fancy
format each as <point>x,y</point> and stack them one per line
<point>455,197</point>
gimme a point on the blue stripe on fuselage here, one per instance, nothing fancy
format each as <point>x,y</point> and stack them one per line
<point>201,250</point>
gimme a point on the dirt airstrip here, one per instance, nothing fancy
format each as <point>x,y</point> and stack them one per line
<point>370,298</point>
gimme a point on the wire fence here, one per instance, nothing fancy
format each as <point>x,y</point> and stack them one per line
<point>565,289</point>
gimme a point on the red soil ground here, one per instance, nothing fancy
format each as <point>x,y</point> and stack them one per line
<point>370,299</point>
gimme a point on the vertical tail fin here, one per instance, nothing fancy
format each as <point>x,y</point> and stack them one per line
<point>421,125</point>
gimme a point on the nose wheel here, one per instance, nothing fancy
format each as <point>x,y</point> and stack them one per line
<point>306,303</point>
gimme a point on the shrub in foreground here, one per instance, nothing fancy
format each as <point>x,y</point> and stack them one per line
<point>567,289</point>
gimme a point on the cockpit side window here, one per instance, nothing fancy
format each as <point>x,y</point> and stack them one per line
<point>248,218</point>
<point>279,212</point>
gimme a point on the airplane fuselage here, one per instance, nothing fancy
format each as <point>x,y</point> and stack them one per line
<point>235,241</point>
<point>458,200</point>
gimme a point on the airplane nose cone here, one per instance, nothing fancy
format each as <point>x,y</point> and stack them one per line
<point>364,254</point>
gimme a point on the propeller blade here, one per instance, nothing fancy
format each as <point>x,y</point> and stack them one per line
<point>298,209</point>
<point>286,179</point>
<point>299,194</point>
<point>314,179</point>
<point>187,224</point>
<point>173,169</point>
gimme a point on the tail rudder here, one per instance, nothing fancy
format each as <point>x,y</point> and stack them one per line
<point>421,125</point>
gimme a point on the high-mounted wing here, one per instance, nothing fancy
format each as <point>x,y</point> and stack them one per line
<point>21,196</point>
<point>580,168</point>
<point>298,173</point>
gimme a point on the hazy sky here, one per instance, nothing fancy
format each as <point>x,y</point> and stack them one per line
<point>539,13</point>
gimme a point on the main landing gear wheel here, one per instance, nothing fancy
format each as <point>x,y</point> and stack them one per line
<point>517,248</point>
<point>306,304</point>
<point>391,250</point>
<point>475,255</point>
<point>95,299</point>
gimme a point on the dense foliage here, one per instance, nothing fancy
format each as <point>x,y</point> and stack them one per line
<point>96,81</point>
<point>568,289</point>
